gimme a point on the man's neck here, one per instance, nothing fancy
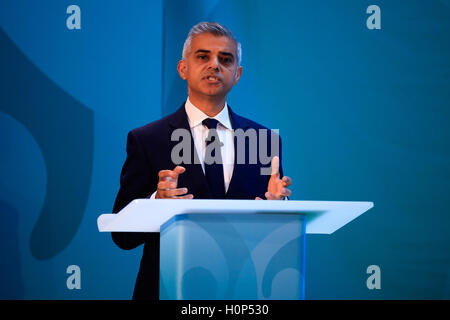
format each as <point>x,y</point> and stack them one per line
<point>209,106</point>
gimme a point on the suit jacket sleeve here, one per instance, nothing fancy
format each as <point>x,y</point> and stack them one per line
<point>136,182</point>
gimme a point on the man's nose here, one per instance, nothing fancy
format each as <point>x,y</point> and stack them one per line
<point>214,63</point>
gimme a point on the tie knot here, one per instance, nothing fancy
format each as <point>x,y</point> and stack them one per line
<point>210,123</point>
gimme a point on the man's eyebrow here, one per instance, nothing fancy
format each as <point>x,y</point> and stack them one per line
<point>202,51</point>
<point>226,54</point>
<point>221,52</point>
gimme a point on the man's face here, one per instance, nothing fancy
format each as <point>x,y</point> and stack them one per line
<point>211,66</point>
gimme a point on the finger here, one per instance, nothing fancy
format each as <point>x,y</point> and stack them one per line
<point>287,181</point>
<point>176,192</point>
<point>166,185</point>
<point>166,173</point>
<point>166,195</point>
<point>286,192</point>
<point>268,196</point>
<point>188,196</point>
<point>178,170</point>
<point>275,166</point>
<point>258,198</point>
<point>169,179</point>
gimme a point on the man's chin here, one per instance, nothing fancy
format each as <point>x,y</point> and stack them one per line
<point>217,93</point>
<point>214,92</point>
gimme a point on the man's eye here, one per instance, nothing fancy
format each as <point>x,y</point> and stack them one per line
<point>203,57</point>
<point>226,60</point>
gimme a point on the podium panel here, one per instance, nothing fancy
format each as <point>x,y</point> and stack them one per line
<point>232,256</point>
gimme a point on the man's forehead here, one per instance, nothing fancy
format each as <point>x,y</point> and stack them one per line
<point>211,42</point>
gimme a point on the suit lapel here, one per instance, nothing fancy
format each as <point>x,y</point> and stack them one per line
<point>193,178</point>
<point>238,123</point>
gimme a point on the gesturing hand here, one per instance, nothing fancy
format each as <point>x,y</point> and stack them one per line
<point>167,185</point>
<point>277,188</point>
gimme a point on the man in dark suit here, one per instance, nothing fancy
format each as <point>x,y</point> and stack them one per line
<point>211,67</point>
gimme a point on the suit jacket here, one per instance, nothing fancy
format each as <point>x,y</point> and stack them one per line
<point>149,151</point>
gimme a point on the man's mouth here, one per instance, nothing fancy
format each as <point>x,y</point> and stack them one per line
<point>212,79</point>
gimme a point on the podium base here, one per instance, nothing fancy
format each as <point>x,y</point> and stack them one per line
<point>233,257</point>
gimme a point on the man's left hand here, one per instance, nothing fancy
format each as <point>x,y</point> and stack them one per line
<point>277,188</point>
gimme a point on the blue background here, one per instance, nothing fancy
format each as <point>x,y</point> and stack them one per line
<point>363,115</point>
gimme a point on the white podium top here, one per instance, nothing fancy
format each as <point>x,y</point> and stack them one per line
<point>147,215</point>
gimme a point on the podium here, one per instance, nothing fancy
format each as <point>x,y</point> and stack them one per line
<point>232,249</point>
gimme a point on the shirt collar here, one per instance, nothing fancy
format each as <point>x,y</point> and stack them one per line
<point>196,116</point>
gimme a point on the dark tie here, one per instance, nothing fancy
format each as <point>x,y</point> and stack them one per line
<point>214,171</point>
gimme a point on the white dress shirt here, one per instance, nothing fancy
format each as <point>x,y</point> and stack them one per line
<point>224,131</point>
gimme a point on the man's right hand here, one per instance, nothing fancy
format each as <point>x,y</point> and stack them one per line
<point>167,185</point>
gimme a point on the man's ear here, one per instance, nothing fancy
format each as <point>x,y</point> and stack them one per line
<point>182,68</point>
<point>238,75</point>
